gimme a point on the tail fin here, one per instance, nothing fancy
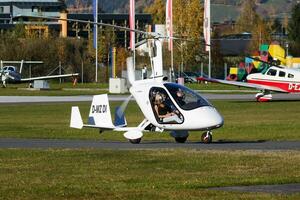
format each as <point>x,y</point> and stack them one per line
<point>76,120</point>
<point>100,112</point>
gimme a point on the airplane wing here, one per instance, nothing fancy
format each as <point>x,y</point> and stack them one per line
<point>48,77</point>
<point>245,84</point>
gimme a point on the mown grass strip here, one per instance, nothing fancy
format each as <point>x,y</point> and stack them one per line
<point>244,121</point>
<point>147,174</point>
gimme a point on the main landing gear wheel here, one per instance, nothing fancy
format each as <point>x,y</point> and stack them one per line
<point>263,97</point>
<point>206,137</point>
<point>180,139</point>
<point>135,141</point>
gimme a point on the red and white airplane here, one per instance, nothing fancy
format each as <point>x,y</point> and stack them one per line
<point>275,79</point>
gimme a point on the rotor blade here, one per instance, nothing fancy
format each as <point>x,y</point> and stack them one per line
<point>268,63</point>
<point>151,34</point>
<point>94,23</point>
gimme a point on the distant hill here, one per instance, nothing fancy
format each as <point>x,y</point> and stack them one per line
<point>222,10</point>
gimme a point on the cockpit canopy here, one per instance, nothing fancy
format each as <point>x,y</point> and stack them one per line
<point>186,98</point>
<point>279,72</point>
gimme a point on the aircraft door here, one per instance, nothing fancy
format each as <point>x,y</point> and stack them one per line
<point>164,108</point>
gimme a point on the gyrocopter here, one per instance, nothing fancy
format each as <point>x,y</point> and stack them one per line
<point>166,106</point>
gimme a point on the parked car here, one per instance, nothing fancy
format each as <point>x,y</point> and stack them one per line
<point>187,79</point>
<point>191,77</point>
<point>196,77</point>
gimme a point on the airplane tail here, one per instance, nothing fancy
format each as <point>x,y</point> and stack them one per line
<point>99,116</point>
<point>100,113</point>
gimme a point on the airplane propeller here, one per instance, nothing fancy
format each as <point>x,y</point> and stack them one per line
<point>119,113</point>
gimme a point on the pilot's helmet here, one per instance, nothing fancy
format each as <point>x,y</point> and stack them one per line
<point>180,93</point>
<point>159,98</point>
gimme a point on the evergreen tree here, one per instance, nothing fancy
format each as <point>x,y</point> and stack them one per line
<point>294,30</point>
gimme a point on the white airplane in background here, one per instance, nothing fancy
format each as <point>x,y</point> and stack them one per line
<point>10,74</point>
<point>274,79</point>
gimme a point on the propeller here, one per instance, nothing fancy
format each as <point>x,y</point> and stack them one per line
<point>120,119</point>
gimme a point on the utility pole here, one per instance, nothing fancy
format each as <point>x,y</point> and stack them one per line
<point>95,12</point>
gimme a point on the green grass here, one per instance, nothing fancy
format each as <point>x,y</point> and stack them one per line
<point>244,121</point>
<point>146,174</point>
<point>67,89</point>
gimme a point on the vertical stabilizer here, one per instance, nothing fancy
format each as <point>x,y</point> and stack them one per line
<point>100,112</point>
<point>76,120</point>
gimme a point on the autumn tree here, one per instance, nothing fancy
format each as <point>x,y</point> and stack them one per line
<point>248,17</point>
<point>188,23</point>
<point>158,11</point>
<point>250,21</point>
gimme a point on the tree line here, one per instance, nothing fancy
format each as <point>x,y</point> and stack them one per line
<point>72,54</point>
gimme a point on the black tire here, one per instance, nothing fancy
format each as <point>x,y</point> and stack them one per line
<point>180,139</point>
<point>135,141</point>
<point>207,139</point>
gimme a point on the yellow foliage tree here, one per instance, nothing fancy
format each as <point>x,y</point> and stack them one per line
<point>250,21</point>
<point>187,24</point>
<point>157,9</point>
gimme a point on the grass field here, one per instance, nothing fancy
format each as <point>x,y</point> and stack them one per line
<point>143,174</point>
<point>147,174</point>
<point>246,121</point>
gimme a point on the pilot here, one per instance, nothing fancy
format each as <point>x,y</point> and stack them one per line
<point>163,111</point>
<point>180,97</point>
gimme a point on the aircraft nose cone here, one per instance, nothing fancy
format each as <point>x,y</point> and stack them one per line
<point>213,117</point>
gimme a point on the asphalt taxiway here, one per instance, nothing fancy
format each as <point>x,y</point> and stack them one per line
<point>117,145</point>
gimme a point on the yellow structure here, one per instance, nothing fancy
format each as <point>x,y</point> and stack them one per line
<point>40,30</point>
<point>64,24</point>
<point>277,52</point>
<point>233,70</point>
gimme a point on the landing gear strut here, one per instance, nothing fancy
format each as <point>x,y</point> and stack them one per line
<point>206,137</point>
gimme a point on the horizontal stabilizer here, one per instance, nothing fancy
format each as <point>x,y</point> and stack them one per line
<point>76,120</point>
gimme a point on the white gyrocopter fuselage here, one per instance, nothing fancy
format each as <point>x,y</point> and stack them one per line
<point>165,106</point>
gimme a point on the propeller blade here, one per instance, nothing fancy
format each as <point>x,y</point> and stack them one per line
<point>119,113</point>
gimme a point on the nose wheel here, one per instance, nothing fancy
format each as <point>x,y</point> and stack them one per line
<point>206,137</point>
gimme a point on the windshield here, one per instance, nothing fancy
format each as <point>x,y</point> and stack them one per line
<point>186,98</point>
